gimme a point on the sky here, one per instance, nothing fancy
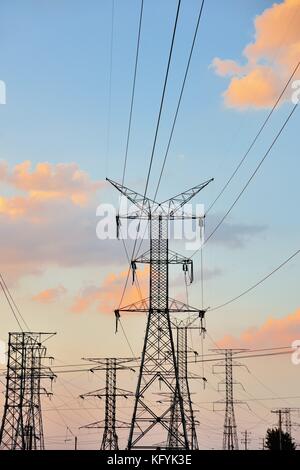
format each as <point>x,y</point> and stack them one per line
<point>68,69</point>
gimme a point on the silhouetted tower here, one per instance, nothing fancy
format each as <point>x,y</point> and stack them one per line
<point>110,393</point>
<point>22,424</point>
<point>182,351</point>
<point>288,421</point>
<point>158,362</point>
<point>285,418</point>
<point>230,439</point>
<point>246,439</point>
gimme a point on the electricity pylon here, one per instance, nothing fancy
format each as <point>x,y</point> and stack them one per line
<point>230,439</point>
<point>110,393</point>
<point>22,424</point>
<point>158,361</point>
<point>182,350</point>
<point>285,420</point>
<point>246,439</point>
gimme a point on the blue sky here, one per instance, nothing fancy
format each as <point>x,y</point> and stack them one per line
<point>55,62</point>
<point>54,59</point>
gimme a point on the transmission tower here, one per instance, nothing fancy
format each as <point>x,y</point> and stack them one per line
<point>158,362</point>
<point>285,420</point>
<point>110,393</point>
<point>246,439</point>
<point>230,439</point>
<point>182,351</point>
<point>22,425</point>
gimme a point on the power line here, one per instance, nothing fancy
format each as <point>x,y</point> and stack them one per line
<point>133,90</point>
<point>250,179</point>
<point>162,98</point>
<point>278,348</point>
<point>110,82</point>
<point>190,361</point>
<point>12,304</point>
<point>254,140</point>
<point>153,148</point>
<point>257,283</point>
<point>180,97</point>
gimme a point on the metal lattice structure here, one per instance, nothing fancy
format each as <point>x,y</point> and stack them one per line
<point>110,424</point>
<point>230,439</point>
<point>182,358</point>
<point>285,418</point>
<point>158,362</point>
<point>246,439</point>
<point>22,424</point>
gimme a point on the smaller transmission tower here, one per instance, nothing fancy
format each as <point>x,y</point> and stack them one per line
<point>110,393</point>
<point>285,419</point>
<point>182,350</point>
<point>22,425</point>
<point>246,439</point>
<point>230,439</point>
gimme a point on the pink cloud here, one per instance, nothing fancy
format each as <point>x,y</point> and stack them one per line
<point>44,222</point>
<point>274,332</point>
<point>47,182</point>
<point>105,298</point>
<point>49,295</point>
<point>270,59</point>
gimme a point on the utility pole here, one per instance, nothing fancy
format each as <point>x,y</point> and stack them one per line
<point>246,439</point>
<point>71,439</point>
<point>230,439</point>
<point>110,393</point>
<point>22,424</point>
<point>158,362</point>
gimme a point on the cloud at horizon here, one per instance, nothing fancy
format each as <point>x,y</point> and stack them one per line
<point>273,332</point>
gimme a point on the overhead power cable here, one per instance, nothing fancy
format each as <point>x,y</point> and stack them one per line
<point>180,98</point>
<point>12,304</point>
<point>133,90</point>
<point>250,179</point>
<point>217,307</point>
<point>255,139</point>
<point>162,98</point>
<point>153,150</point>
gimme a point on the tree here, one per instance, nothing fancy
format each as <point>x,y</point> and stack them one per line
<point>279,440</point>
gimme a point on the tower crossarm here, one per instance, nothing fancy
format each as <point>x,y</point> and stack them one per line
<point>175,306</point>
<point>177,202</point>
<point>167,208</point>
<point>173,258</point>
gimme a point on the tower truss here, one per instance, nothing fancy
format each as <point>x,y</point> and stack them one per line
<point>22,424</point>
<point>158,362</point>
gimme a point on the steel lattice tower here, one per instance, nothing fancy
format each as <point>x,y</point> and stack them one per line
<point>110,393</point>
<point>230,439</point>
<point>22,425</point>
<point>182,358</point>
<point>288,421</point>
<point>285,419</point>
<point>158,362</point>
